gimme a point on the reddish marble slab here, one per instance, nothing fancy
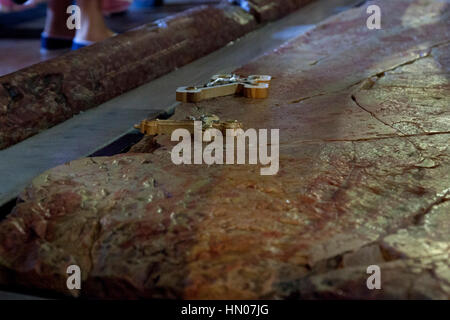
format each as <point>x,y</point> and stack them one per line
<point>363,180</point>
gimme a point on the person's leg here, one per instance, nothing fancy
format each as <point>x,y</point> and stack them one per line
<point>93,26</point>
<point>56,22</point>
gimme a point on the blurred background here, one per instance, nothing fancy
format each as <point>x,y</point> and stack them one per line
<point>20,29</point>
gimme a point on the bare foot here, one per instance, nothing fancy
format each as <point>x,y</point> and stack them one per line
<point>93,26</point>
<point>93,34</point>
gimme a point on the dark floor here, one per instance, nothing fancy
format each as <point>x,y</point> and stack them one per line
<point>20,44</point>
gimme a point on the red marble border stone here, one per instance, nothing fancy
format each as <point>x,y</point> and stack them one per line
<point>269,10</point>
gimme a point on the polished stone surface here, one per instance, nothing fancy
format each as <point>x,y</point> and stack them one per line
<point>363,180</point>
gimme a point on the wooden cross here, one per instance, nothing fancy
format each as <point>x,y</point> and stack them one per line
<point>255,87</point>
<point>155,127</point>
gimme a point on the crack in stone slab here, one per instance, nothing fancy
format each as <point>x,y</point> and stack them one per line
<point>387,124</point>
<point>426,53</point>
<point>369,139</point>
<point>310,97</point>
<point>374,115</point>
<point>441,198</point>
<point>368,82</point>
